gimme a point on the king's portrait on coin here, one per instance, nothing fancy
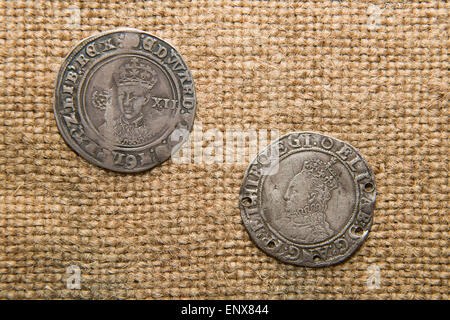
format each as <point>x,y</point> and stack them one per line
<point>130,93</point>
<point>121,97</point>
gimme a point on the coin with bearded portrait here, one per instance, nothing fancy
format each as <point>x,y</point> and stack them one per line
<point>124,100</point>
<point>308,199</point>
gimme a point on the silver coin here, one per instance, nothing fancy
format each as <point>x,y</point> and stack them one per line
<point>308,199</point>
<point>124,100</point>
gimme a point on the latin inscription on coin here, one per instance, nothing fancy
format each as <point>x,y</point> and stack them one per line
<point>119,98</point>
<point>308,199</point>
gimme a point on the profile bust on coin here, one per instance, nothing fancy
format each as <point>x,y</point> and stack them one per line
<point>308,199</point>
<point>122,98</point>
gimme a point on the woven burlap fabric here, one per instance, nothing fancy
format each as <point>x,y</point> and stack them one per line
<point>374,74</point>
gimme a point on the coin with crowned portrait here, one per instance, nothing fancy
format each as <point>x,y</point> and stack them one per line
<point>124,100</point>
<point>308,199</point>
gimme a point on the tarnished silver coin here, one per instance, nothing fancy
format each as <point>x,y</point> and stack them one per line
<point>124,100</point>
<point>308,199</point>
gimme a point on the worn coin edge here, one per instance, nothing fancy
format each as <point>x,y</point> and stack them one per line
<point>63,132</point>
<point>353,247</point>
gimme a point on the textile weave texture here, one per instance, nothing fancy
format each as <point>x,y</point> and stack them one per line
<point>373,74</point>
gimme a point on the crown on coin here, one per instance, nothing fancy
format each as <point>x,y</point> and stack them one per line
<point>136,72</point>
<point>323,171</point>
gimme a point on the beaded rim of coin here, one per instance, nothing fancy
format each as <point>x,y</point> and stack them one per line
<point>111,86</point>
<point>298,226</point>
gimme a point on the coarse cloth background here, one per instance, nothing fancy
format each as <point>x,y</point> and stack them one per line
<point>374,74</point>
